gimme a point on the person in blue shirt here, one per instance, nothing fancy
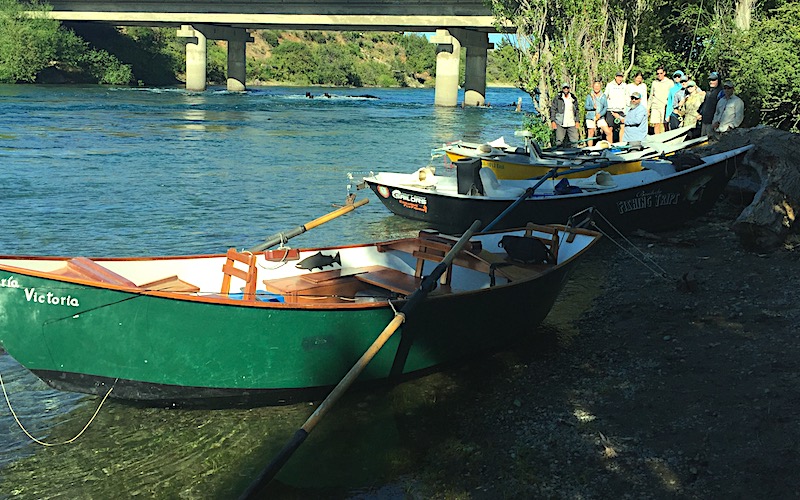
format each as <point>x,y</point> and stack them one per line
<point>596,107</point>
<point>635,121</point>
<point>676,77</point>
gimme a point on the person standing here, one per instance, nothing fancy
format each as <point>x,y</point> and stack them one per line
<point>659,93</point>
<point>617,97</point>
<point>730,110</point>
<point>678,101</point>
<point>635,121</point>
<point>713,96</point>
<point>564,115</point>
<point>596,106</point>
<point>691,108</point>
<point>676,86</point>
<point>639,86</point>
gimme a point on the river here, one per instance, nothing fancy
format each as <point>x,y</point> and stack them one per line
<point>90,170</point>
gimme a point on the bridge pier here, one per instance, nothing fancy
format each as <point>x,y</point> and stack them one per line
<point>197,54</point>
<point>196,58</point>
<point>449,43</point>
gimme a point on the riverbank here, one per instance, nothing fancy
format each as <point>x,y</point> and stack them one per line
<point>666,390</point>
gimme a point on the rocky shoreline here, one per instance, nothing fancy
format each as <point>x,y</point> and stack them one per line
<point>678,387</point>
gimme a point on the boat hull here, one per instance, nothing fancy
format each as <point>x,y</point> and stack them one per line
<point>517,170</point>
<point>158,350</point>
<point>658,206</point>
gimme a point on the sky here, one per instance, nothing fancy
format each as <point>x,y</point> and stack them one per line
<point>494,38</point>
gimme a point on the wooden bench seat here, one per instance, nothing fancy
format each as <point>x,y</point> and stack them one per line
<point>171,284</point>
<point>87,269</point>
<point>392,280</point>
<point>320,286</point>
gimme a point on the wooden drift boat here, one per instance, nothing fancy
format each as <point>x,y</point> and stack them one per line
<point>274,326</point>
<point>664,194</point>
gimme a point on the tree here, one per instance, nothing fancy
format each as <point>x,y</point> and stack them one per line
<point>27,44</point>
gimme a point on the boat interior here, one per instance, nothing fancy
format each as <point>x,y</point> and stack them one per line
<point>357,274</point>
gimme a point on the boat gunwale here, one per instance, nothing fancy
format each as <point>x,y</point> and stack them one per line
<point>217,299</point>
<point>723,156</point>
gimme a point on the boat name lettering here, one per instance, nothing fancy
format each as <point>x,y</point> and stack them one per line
<point>411,198</point>
<point>10,282</point>
<point>411,201</point>
<point>648,199</point>
<point>31,295</point>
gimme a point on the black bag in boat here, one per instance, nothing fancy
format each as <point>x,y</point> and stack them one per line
<point>526,250</point>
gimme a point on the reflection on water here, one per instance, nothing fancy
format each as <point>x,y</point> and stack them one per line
<point>96,171</point>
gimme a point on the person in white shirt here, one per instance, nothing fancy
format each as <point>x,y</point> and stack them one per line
<point>617,96</point>
<point>564,116</point>
<point>639,86</point>
<point>730,110</point>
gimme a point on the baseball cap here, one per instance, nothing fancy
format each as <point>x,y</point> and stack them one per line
<point>636,95</point>
<point>677,73</point>
<point>620,73</point>
<point>691,83</point>
<point>684,78</point>
<point>565,85</point>
<point>713,75</point>
<point>727,83</point>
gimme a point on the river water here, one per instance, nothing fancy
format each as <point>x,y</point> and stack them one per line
<point>120,171</point>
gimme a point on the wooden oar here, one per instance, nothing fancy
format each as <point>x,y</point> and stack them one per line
<point>428,284</point>
<point>281,237</point>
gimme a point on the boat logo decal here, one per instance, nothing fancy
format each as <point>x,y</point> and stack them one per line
<point>411,201</point>
<point>383,191</point>
<point>648,199</point>
<point>695,191</point>
<point>10,282</point>
<point>37,297</point>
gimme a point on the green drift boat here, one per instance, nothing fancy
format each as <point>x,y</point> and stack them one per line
<point>271,327</point>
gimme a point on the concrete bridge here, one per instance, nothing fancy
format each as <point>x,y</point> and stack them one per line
<point>457,23</point>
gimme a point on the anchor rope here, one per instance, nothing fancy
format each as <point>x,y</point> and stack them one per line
<point>68,441</point>
<point>645,259</point>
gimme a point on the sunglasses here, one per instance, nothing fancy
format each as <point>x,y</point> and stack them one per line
<point>660,73</point>
<point>635,98</point>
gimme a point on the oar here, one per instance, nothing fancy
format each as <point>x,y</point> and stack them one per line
<point>281,237</point>
<point>427,285</point>
<point>553,172</point>
<point>527,194</point>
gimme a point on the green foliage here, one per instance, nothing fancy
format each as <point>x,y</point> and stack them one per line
<point>540,129</point>
<point>765,65</point>
<point>27,45</point>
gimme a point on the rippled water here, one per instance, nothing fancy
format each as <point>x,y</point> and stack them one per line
<point>106,171</point>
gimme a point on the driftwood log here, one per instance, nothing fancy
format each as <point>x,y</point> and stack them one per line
<point>771,174</point>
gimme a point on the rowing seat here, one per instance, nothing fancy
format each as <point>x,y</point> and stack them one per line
<point>87,269</point>
<point>170,284</point>
<point>248,275</point>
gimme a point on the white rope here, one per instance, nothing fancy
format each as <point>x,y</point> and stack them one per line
<point>655,268</point>
<point>38,441</point>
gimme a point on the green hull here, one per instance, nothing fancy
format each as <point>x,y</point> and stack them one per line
<point>170,350</point>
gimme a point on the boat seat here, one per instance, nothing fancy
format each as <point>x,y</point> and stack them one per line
<point>248,275</point>
<point>493,189</point>
<point>170,284</point>
<point>87,269</point>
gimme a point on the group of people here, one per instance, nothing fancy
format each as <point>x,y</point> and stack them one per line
<point>626,111</point>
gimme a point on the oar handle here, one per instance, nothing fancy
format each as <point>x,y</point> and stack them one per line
<point>428,284</point>
<point>281,237</point>
<point>336,213</point>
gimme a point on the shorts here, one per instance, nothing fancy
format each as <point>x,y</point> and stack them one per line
<point>657,114</point>
<point>601,123</point>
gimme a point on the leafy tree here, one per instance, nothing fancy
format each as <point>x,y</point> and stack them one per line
<point>27,44</point>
